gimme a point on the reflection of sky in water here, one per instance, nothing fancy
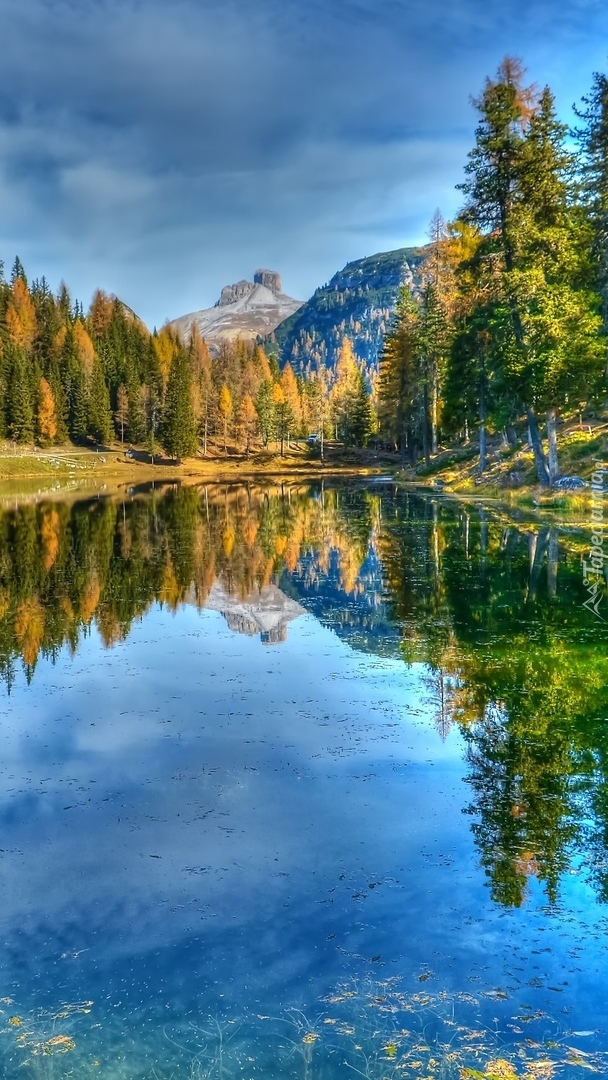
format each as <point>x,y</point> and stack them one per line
<point>195,824</point>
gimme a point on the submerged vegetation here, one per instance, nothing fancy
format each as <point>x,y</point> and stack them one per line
<point>378,1030</point>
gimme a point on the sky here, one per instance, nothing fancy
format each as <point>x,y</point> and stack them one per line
<point>160,149</point>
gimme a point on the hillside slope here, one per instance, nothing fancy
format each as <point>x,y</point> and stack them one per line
<point>358,302</point>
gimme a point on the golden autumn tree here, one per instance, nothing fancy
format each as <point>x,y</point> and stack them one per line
<point>100,313</point>
<point>165,347</point>
<point>291,392</point>
<point>344,390</point>
<point>47,413</point>
<point>225,410</point>
<point>21,316</point>
<point>84,348</point>
<point>247,420</point>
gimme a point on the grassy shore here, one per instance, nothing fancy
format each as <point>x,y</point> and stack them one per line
<point>64,470</point>
<point>510,477</point>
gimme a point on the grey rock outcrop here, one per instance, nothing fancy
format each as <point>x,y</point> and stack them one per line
<point>247,309</point>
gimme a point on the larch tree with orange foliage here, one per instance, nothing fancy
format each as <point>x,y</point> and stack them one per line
<point>247,420</point>
<point>21,316</point>
<point>225,410</point>
<point>47,413</point>
<point>291,392</point>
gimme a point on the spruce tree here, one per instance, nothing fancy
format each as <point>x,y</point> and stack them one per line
<point>362,422</point>
<point>21,404</point>
<point>99,412</point>
<point>398,381</point>
<point>266,411</point>
<point>593,176</point>
<point>179,426</point>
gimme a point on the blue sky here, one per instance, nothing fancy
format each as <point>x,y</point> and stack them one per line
<point>163,149</point>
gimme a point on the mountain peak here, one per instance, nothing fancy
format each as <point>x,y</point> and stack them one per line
<point>247,309</point>
<point>269,278</point>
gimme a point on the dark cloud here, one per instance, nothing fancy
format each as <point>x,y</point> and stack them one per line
<point>162,149</point>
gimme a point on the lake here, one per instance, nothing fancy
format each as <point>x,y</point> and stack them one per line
<point>300,781</point>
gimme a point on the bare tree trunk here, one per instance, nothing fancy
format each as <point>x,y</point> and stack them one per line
<point>425,425</point>
<point>552,434</point>
<point>542,471</point>
<point>434,399</point>
<point>482,430</point>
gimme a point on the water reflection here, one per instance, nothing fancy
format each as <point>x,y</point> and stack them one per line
<point>494,610</point>
<point>216,806</point>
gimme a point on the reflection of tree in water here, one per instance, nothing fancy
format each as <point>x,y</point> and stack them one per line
<point>492,611</point>
<point>65,568</point>
<point>495,614</point>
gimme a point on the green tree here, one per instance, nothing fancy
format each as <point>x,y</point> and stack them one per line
<point>99,412</point>
<point>179,425</point>
<point>362,422</point>
<point>265,408</point>
<point>21,404</point>
<point>398,381</point>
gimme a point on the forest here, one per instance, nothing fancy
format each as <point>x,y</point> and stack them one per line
<point>508,332</point>
<point>503,332</point>
<point>101,376</point>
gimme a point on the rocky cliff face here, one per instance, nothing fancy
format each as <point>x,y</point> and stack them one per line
<point>357,303</point>
<point>247,309</point>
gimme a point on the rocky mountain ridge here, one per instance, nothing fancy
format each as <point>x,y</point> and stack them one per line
<point>357,303</point>
<point>247,309</point>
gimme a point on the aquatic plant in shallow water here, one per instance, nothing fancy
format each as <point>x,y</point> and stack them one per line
<point>377,1030</point>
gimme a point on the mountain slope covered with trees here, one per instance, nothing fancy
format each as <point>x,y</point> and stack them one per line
<point>357,303</point>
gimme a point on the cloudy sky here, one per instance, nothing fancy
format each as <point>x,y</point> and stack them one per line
<point>163,148</point>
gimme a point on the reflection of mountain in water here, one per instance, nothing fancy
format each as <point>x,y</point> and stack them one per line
<point>266,611</point>
<point>359,616</point>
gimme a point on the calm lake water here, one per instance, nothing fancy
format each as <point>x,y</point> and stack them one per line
<point>299,783</point>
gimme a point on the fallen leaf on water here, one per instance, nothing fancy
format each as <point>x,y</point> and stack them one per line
<point>500,1070</point>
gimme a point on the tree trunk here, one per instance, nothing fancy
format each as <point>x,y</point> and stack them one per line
<point>482,431</point>
<point>434,397</point>
<point>425,425</point>
<point>205,437</point>
<point>322,442</point>
<point>552,434</point>
<point>542,471</point>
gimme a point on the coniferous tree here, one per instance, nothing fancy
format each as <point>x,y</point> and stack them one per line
<point>21,406</point>
<point>46,420</point>
<point>362,423</point>
<point>179,425</point>
<point>398,380</point>
<point>99,412</point>
<point>593,176</point>
<point>265,408</point>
